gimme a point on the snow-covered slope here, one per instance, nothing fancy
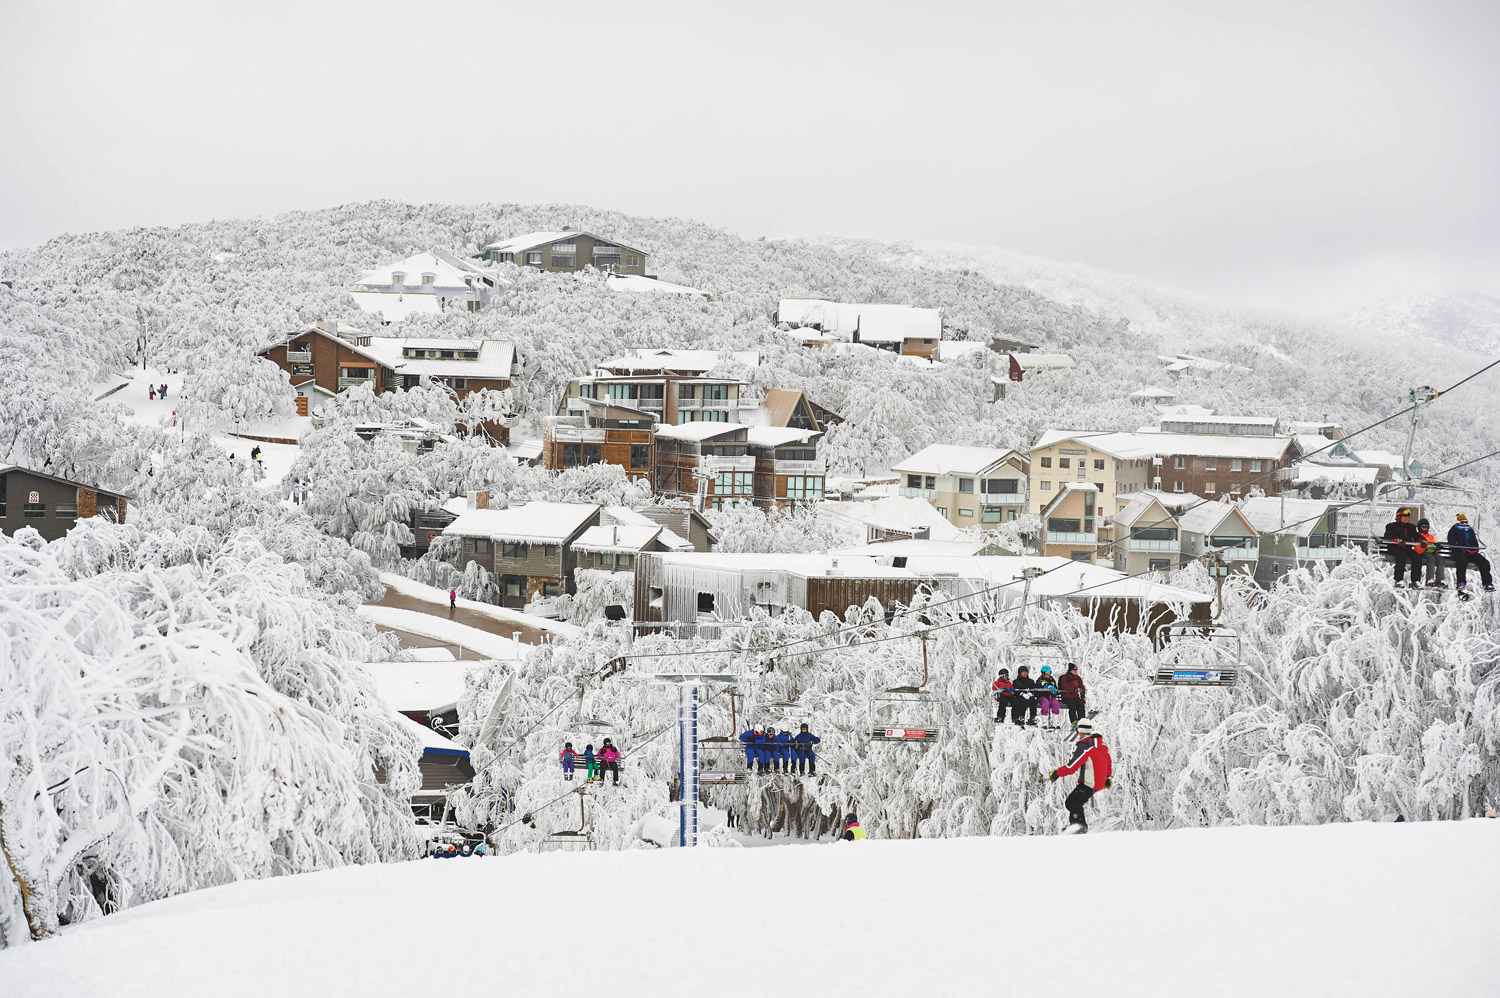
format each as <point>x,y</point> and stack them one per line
<point>1466,320</point>
<point>1393,909</point>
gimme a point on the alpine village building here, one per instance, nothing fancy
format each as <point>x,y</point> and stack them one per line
<point>566,252</point>
<point>51,505</point>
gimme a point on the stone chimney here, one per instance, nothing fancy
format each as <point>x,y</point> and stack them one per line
<point>329,326</point>
<point>482,499</point>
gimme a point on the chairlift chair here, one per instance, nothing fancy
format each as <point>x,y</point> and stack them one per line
<point>1434,498</point>
<point>721,762</point>
<point>568,839</point>
<point>905,714</point>
<point>1198,654</point>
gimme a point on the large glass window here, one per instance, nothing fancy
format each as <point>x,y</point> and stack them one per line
<point>914,481</point>
<point>1153,533</point>
<point>804,487</point>
<point>509,550</point>
<point>966,485</point>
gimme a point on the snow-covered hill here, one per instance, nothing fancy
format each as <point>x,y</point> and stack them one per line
<point>1370,910</point>
<point>1466,320</point>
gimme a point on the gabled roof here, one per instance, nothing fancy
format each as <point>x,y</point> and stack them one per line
<point>781,405</point>
<point>1152,392</point>
<point>1125,446</point>
<point>531,240</point>
<point>876,323</point>
<point>496,357</point>
<point>1267,514</point>
<point>1207,518</point>
<point>690,361</point>
<point>1066,492</point>
<point>953,349</point>
<point>397,305</point>
<point>1140,506</point>
<point>1043,361</point>
<point>616,539</point>
<point>64,481</point>
<point>894,513</point>
<point>952,459</point>
<point>449,273</point>
<point>780,436</point>
<point>531,523</point>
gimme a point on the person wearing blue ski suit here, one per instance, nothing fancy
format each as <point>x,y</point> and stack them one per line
<point>749,737</point>
<point>764,749</point>
<point>807,760</point>
<point>783,763</point>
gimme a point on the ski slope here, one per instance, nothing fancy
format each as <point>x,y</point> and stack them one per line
<point>1391,909</point>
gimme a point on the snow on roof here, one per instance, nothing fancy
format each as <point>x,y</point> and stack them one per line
<point>649,285</point>
<point>531,240</point>
<point>1152,392</point>
<point>851,566</point>
<point>524,450</point>
<point>615,538</point>
<point>898,513</point>
<point>396,306</point>
<point>432,742</point>
<point>1185,411</point>
<point>420,686</point>
<point>533,522</point>
<point>1379,458</point>
<point>1268,514</point>
<point>777,436</point>
<point>1043,361</point>
<point>1137,507</point>
<point>448,273</point>
<point>1154,444</point>
<point>1174,501</point>
<point>1205,518</point>
<point>953,349</point>
<point>627,517</point>
<point>702,361</point>
<point>876,323</point>
<point>952,459</point>
<point>1125,446</point>
<point>496,357</point>
<point>908,546</point>
<point>1227,420</point>
<point>701,429</point>
<point>1342,473</point>
<point>1062,578</point>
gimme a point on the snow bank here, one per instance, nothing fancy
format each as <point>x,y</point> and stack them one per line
<point>447,631</point>
<point>1392,909</point>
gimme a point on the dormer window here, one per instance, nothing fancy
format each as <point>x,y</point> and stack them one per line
<point>429,278</point>
<point>398,278</point>
<point>471,355</point>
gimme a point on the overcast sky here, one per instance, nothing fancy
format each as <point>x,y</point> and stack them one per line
<point>1308,154</point>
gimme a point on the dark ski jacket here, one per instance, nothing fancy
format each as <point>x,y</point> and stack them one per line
<point>1024,684</point>
<point>805,741</point>
<point>783,744</point>
<point>588,756</point>
<point>1401,534</point>
<point>1071,686</point>
<point>1462,539</point>
<point>1090,761</point>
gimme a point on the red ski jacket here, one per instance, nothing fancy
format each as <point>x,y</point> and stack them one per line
<point>1001,687</point>
<point>1091,761</point>
<point>1071,685</point>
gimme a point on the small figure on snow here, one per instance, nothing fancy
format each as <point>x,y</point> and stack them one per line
<point>1046,697</point>
<point>590,765</point>
<point>1073,693</point>
<point>162,391</point>
<point>151,394</point>
<point>853,832</point>
<point>1002,690</point>
<point>807,758</point>
<point>1432,558</point>
<point>1463,544</point>
<point>1025,697</point>
<point>1401,538</point>
<point>255,453</point>
<point>453,599</point>
<point>610,757</point>
<point>1092,762</point>
<point>569,760</point>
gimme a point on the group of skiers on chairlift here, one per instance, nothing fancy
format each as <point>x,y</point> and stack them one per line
<point>1024,696</point>
<point>1414,548</point>
<point>770,751</point>
<point>596,764</point>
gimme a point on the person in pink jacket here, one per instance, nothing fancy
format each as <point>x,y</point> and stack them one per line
<point>610,757</point>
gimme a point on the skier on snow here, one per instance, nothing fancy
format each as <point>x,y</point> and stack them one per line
<point>569,760</point>
<point>807,759</point>
<point>1463,544</point>
<point>852,830</point>
<point>1073,693</point>
<point>1401,538</point>
<point>1092,763</point>
<point>1002,689</point>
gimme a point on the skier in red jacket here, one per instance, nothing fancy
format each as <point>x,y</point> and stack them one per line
<point>1002,689</point>
<point>1092,763</point>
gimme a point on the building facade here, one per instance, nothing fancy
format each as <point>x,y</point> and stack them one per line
<point>527,548</point>
<point>969,486</point>
<point>1116,464</point>
<point>597,432</point>
<point>50,505</point>
<point>1070,523</point>
<point>567,251</point>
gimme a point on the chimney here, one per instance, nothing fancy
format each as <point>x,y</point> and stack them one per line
<point>615,537</point>
<point>482,499</point>
<point>329,326</point>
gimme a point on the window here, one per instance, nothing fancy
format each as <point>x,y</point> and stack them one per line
<point>1098,464</point>
<point>1159,565</point>
<point>459,384</point>
<point>1046,462</point>
<point>684,417</point>
<point>359,373</point>
<point>943,512</point>
<point>1046,486</point>
<point>1254,465</point>
<point>398,278</point>
<point>965,512</point>
<point>1179,463</point>
<point>1065,462</point>
<point>966,485</point>
<point>549,588</point>
<point>1064,524</point>
<point>515,586</point>
<point>931,482</point>
<point>509,550</point>
<point>734,483</point>
<point>914,481</point>
<point>1235,464</point>
<point>1002,486</point>
<point>428,278</point>
<point>1177,485</point>
<point>716,391</point>
<point>586,390</point>
<point>1211,464</point>
<point>685,391</point>
<point>481,545</point>
<point>1153,533</point>
<point>705,602</point>
<point>716,416</point>
<point>1100,487</point>
<point>990,516</point>
<point>507,258</point>
<point>564,247</point>
<point>535,259</point>
<point>590,454</point>
<point>34,509</point>
<point>549,550</point>
<point>804,487</point>
<point>1208,488</point>
<point>632,261</point>
<point>624,561</point>
<point>640,455</point>
<point>562,261</point>
<point>1081,555</point>
<point>470,354</point>
<point>570,455</point>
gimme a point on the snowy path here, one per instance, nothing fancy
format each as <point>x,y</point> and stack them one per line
<point>409,595</point>
<point>1369,910</point>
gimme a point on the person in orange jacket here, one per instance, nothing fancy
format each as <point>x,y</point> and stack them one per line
<point>1431,557</point>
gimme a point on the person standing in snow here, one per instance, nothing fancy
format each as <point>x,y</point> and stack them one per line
<point>255,453</point>
<point>1047,698</point>
<point>1073,693</point>
<point>783,761</point>
<point>807,757</point>
<point>1463,544</point>
<point>1092,762</point>
<point>1401,538</point>
<point>163,392</point>
<point>151,394</point>
<point>1002,690</point>
<point>1025,697</point>
<point>569,760</point>
<point>853,832</point>
<point>590,764</point>
<point>610,757</point>
<point>453,599</point>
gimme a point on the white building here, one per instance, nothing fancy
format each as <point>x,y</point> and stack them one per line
<point>897,328</point>
<point>432,282</point>
<point>967,485</point>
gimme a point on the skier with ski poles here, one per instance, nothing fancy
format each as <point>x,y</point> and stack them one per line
<point>1092,762</point>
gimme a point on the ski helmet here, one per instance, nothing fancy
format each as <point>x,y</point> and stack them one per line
<point>850,819</point>
<point>1084,726</point>
<point>1046,670</point>
<point>804,727</point>
<point>770,731</point>
<point>1004,672</point>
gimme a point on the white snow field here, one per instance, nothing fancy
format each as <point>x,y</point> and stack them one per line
<point>1352,909</point>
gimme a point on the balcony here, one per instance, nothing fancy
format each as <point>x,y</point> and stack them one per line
<point>911,493</point>
<point>1240,553</point>
<point>355,383</point>
<point>1071,537</point>
<point>683,405</point>
<point>649,405</point>
<point>717,465</point>
<point>299,356</point>
<point>1321,554</point>
<point>796,467</point>
<point>578,434</point>
<point>1137,544</point>
<point>717,403</point>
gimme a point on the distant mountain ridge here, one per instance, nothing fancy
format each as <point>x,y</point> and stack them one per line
<point>1465,320</point>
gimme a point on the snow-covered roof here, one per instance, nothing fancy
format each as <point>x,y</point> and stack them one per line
<point>615,538</point>
<point>876,323</point>
<point>1043,361</point>
<point>1185,411</point>
<point>1206,517</point>
<point>1267,514</point>
<point>420,686</point>
<point>1320,450</point>
<point>1174,501</point>
<point>1143,443</point>
<point>1379,458</point>
<point>448,273</point>
<point>627,517</point>
<point>1341,473</point>
<point>898,513</point>
<point>432,742</point>
<point>496,357</point>
<point>1137,507</point>
<point>524,450</point>
<point>1152,392</point>
<point>953,349</point>
<point>1126,446</point>
<point>1062,578</point>
<point>952,459</point>
<point>397,305</point>
<point>636,284</point>
<point>906,547</point>
<point>532,522</point>
<point>531,240</point>
<point>778,436</point>
<point>702,429</point>
<point>851,566</point>
<point>701,361</point>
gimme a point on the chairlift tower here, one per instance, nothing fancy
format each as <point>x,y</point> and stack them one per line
<point>689,695</point>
